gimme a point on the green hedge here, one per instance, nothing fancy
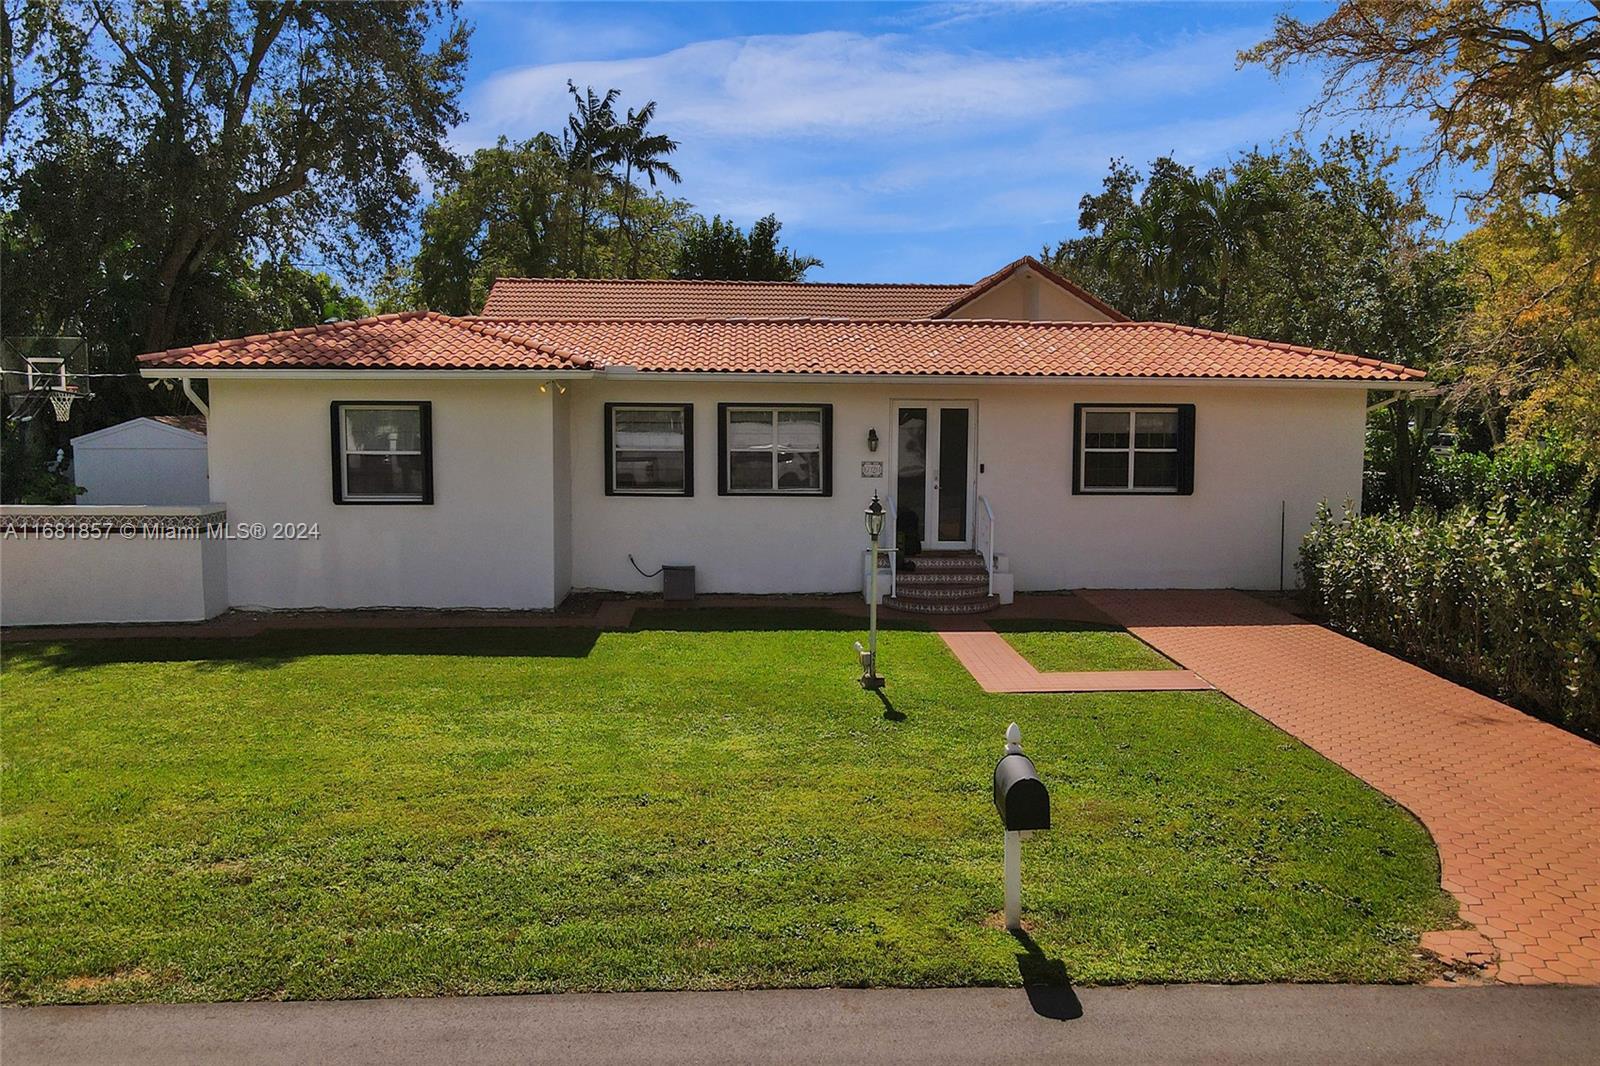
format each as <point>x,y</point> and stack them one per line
<point>1507,599</point>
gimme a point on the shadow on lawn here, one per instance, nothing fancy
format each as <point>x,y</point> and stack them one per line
<point>760,620</point>
<point>1046,981</point>
<point>1051,625</point>
<point>267,650</point>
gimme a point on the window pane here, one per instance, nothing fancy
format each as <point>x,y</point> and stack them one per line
<point>649,471</point>
<point>750,429</point>
<point>383,429</point>
<point>1153,470</point>
<point>800,430</point>
<point>1105,429</point>
<point>1155,429</point>
<point>750,471</point>
<point>799,471</point>
<point>648,430</point>
<point>1105,470</point>
<point>911,462</point>
<point>384,475</point>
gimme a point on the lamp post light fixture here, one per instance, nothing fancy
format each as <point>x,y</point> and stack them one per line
<point>875,515</point>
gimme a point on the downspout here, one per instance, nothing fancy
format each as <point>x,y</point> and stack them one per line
<point>194,397</point>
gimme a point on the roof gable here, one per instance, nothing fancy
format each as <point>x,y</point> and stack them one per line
<point>1013,276</point>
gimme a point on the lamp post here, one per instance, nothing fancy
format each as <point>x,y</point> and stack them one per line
<point>875,517</point>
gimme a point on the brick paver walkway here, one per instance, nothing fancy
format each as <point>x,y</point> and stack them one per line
<point>1513,804</point>
<point>998,667</point>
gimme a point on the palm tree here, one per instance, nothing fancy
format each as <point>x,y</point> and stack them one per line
<point>1222,222</point>
<point>639,151</point>
<point>1145,243</point>
<point>588,143</point>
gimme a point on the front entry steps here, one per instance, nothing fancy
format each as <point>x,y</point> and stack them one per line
<point>948,582</point>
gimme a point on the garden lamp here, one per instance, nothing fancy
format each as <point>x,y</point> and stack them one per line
<point>875,515</point>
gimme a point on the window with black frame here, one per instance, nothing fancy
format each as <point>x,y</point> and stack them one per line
<point>383,452</point>
<point>775,450</point>
<point>649,449</point>
<point>1134,449</point>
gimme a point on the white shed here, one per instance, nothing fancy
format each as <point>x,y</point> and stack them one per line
<point>157,461</point>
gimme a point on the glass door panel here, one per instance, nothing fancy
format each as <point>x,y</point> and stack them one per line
<point>951,484</point>
<point>911,478</point>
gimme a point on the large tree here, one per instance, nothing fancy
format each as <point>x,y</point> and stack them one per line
<point>720,249</point>
<point>1511,88</point>
<point>203,131</point>
<point>1510,85</point>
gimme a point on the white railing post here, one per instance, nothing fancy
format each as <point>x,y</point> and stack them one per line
<point>986,538</point>
<point>893,527</point>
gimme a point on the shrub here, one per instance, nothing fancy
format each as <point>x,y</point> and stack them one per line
<point>1507,599</point>
<point>1540,472</point>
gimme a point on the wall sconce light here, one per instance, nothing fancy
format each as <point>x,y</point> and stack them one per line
<point>544,386</point>
<point>872,440</point>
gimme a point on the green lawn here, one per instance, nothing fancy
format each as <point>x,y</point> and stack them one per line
<point>706,801</point>
<point>1053,646</point>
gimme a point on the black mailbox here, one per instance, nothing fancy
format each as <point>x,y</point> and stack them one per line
<point>1019,795</point>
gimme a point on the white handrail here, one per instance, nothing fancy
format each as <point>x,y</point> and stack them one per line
<point>985,537</point>
<point>892,526</point>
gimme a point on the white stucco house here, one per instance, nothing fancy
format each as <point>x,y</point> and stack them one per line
<point>1016,425</point>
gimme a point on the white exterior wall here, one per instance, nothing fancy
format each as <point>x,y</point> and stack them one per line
<point>110,577</point>
<point>489,539</point>
<point>140,462</point>
<point>521,516</point>
<point>1258,448</point>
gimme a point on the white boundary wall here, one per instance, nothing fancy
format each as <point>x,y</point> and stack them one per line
<point>70,565</point>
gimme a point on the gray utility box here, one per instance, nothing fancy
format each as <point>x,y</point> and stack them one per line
<point>677,582</point>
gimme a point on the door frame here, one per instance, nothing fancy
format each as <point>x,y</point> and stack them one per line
<point>930,521</point>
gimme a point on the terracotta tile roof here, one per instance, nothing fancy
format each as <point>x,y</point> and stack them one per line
<point>428,341</point>
<point>983,286</point>
<point>948,347</point>
<point>590,298</point>
<point>409,340</point>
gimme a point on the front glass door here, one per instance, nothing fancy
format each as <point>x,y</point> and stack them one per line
<point>934,466</point>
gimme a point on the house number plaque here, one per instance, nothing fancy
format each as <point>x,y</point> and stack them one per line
<point>872,469</point>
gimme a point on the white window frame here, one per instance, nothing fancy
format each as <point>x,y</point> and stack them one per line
<point>1132,451</point>
<point>682,409</point>
<point>345,451</point>
<point>728,449</point>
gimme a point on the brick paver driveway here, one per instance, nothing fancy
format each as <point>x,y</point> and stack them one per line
<point>1513,803</point>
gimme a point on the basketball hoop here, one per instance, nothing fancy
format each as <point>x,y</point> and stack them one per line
<point>61,399</point>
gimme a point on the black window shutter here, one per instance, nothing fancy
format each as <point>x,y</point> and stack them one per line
<point>827,449</point>
<point>611,458</point>
<point>722,448</point>
<point>1186,449</point>
<point>688,449</point>
<point>1077,447</point>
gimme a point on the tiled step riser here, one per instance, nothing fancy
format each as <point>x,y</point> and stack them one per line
<point>979,580</point>
<point>988,603</point>
<point>941,595</point>
<point>923,565</point>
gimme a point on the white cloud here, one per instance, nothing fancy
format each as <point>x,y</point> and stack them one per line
<point>888,136</point>
<point>830,84</point>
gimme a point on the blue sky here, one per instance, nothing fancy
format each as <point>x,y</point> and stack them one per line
<point>897,142</point>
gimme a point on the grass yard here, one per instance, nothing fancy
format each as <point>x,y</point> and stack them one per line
<point>1063,646</point>
<point>707,801</point>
